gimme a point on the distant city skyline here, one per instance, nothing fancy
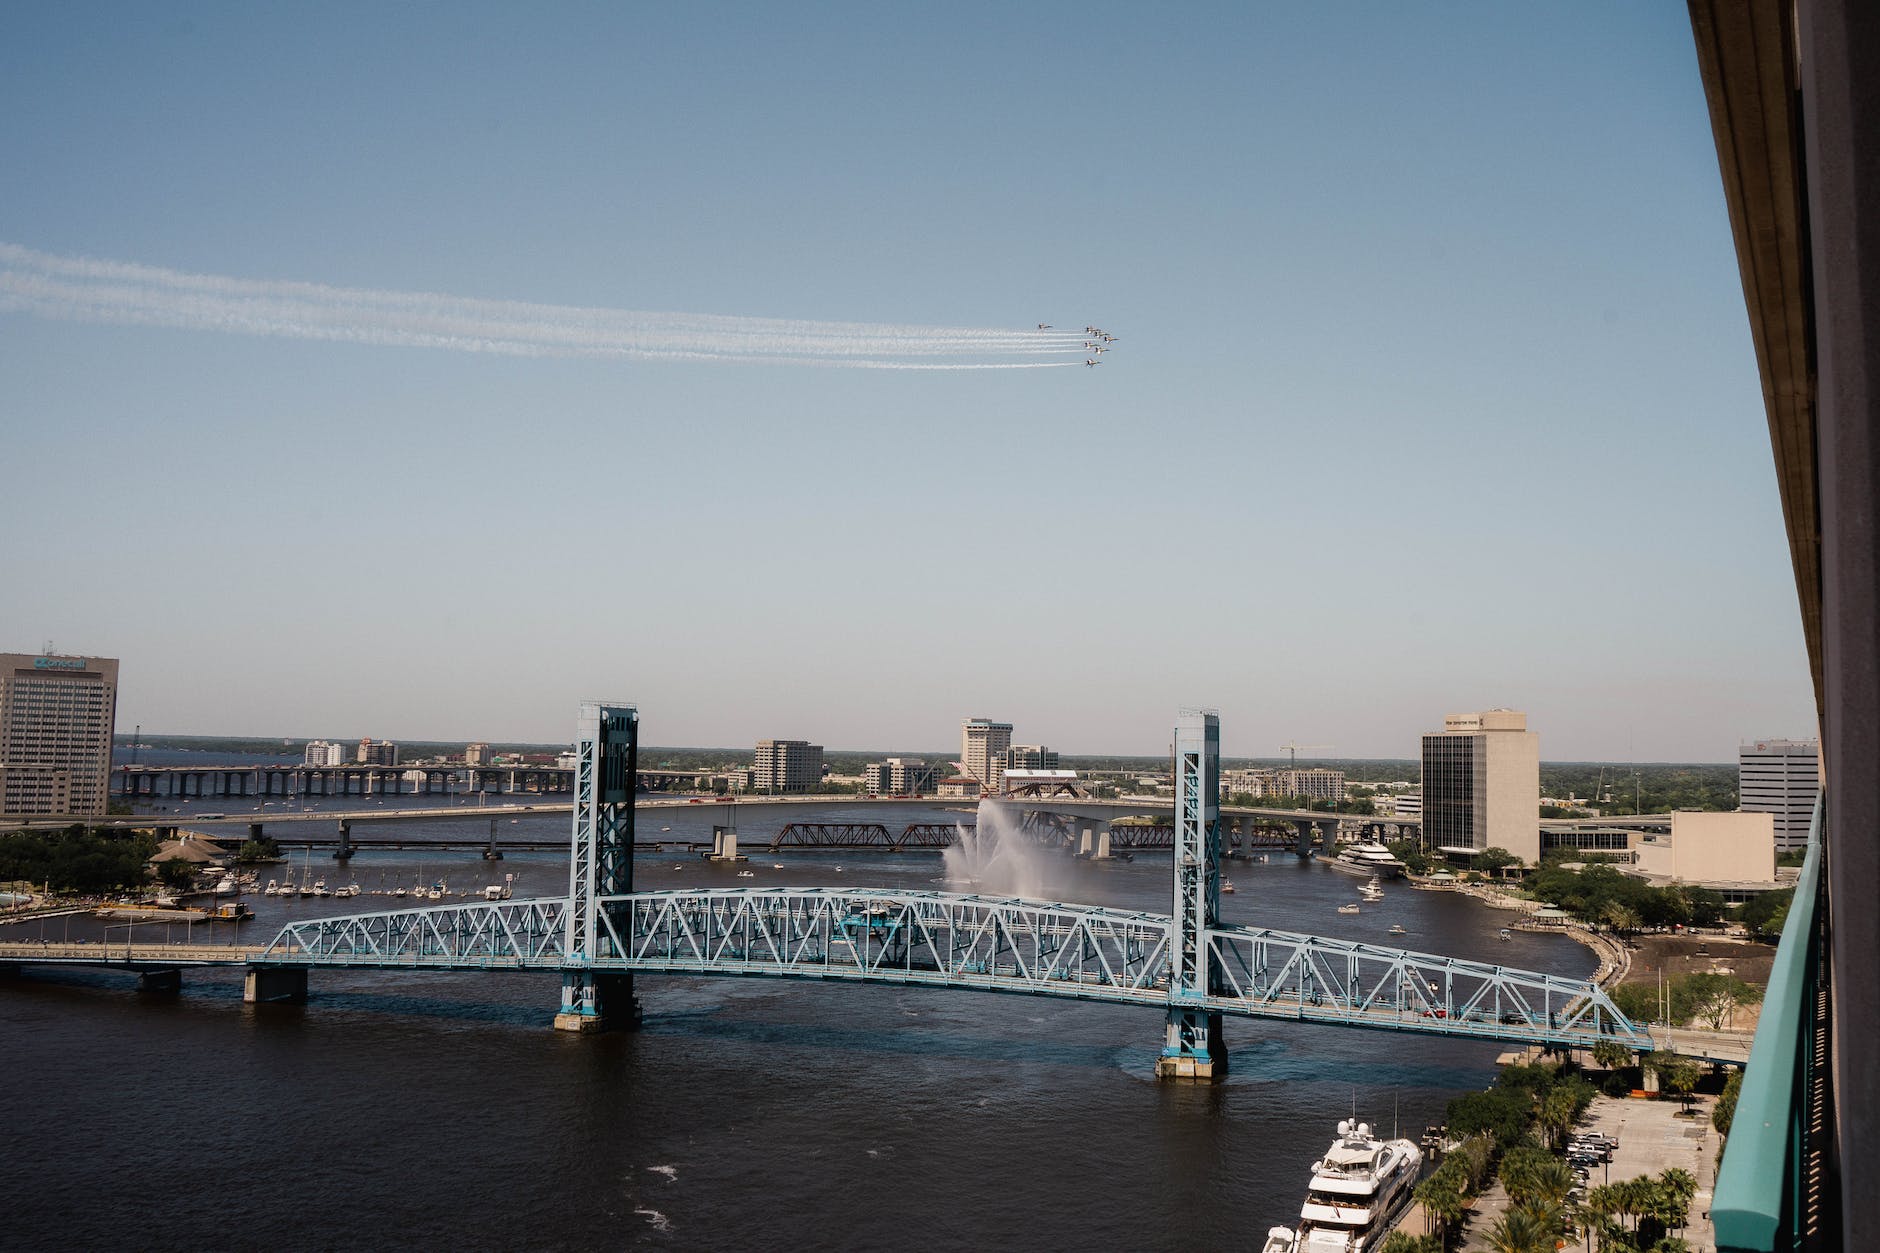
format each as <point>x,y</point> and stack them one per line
<point>1432,392</point>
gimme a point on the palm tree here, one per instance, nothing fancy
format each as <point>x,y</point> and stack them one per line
<point>1611,1055</point>
<point>1679,1187</point>
<point>1524,1230</point>
<point>1441,1200</point>
<point>1556,1117</point>
<point>1550,1184</point>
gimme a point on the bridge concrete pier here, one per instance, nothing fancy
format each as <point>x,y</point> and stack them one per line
<point>725,844</point>
<point>163,982</point>
<point>274,983</point>
<point>345,850</point>
<point>1305,829</point>
<point>597,1001</point>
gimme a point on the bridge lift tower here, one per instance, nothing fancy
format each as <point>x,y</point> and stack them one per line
<point>1194,1048</point>
<point>601,865</point>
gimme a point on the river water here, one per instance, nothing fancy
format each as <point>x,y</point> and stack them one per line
<point>441,1110</point>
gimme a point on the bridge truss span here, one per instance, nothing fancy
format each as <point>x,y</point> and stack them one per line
<point>1007,944</point>
<point>1323,979</point>
<point>478,935</point>
<point>939,938</point>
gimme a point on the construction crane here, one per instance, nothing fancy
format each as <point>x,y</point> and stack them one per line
<point>1293,750</point>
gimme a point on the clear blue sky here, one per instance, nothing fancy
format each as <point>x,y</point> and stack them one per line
<point>1435,389</point>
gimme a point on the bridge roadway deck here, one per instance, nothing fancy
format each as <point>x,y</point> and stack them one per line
<point>941,940</point>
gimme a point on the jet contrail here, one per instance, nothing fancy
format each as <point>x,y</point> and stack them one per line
<point>83,289</point>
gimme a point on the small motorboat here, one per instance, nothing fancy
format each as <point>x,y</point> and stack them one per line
<point>1227,887</point>
<point>1397,928</point>
<point>1348,909</point>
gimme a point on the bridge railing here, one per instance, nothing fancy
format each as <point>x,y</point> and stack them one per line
<point>1772,1185</point>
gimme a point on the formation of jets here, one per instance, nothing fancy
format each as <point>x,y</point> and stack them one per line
<point>1097,341</point>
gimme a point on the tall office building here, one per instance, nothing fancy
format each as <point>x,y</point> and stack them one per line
<point>898,776</point>
<point>786,766</point>
<point>477,755</point>
<point>1482,785</point>
<point>377,752</point>
<point>57,715</point>
<point>1781,777</point>
<point>1031,757</point>
<point>983,745</point>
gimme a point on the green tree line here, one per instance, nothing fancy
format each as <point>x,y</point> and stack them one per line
<point>74,860</point>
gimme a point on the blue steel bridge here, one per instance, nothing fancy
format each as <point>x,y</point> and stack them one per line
<point>1186,964</point>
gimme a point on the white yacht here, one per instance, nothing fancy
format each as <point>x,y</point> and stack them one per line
<point>1367,859</point>
<point>1357,1192</point>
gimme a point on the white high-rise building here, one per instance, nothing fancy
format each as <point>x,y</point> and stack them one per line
<point>1482,785</point>
<point>57,715</point>
<point>325,753</point>
<point>1781,777</point>
<point>983,745</point>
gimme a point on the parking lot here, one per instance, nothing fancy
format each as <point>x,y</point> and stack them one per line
<point>1652,1137</point>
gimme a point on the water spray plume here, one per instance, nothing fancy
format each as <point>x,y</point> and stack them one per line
<point>993,857</point>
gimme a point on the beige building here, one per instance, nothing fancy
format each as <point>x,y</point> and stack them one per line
<point>898,776</point>
<point>983,745</point>
<point>478,755</point>
<point>1482,785</point>
<point>1710,848</point>
<point>787,766</point>
<point>57,715</point>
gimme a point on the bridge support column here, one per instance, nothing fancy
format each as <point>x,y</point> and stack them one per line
<point>345,850</point>
<point>1305,829</point>
<point>1084,848</point>
<point>607,739</point>
<point>1195,1048</point>
<point>1103,846</point>
<point>597,1001</point>
<point>274,983</point>
<point>163,982</point>
<point>490,851</point>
